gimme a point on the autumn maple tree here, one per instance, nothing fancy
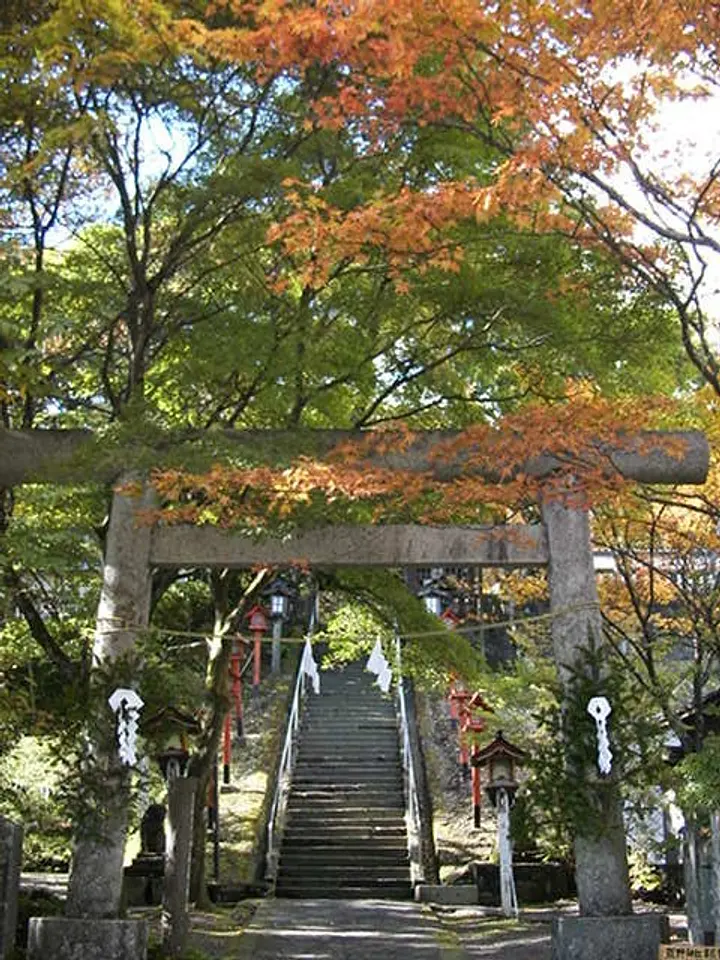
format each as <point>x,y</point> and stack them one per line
<point>565,95</point>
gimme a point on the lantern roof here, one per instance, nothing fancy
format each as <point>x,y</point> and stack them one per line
<point>450,617</point>
<point>499,747</point>
<point>478,702</point>
<point>170,718</point>
<point>459,694</point>
<point>279,585</point>
<point>257,618</point>
<point>434,589</point>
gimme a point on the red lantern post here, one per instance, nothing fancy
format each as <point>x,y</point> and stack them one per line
<point>474,727</point>
<point>258,623</point>
<point>460,699</point>
<point>227,748</point>
<point>236,674</point>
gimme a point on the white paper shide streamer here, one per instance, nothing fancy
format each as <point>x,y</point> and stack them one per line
<point>378,665</point>
<point>599,709</point>
<point>309,667</point>
<point>126,705</point>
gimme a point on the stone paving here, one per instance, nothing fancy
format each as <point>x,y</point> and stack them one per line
<point>346,930</point>
<point>276,929</point>
<point>483,934</point>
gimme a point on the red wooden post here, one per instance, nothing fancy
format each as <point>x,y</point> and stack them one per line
<point>227,748</point>
<point>463,752</point>
<point>235,670</point>
<point>258,623</point>
<point>257,659</point>
<point>475,726</point>
<point>211,797</point>
<point>476,794</point>
<point>453,705</point>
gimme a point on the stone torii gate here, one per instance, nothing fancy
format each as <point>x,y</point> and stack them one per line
<point>562,542</point>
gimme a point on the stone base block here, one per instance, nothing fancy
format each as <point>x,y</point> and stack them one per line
<point>458,895</point>
<point>139,891</point>
<point>609,938</point>
<point>75,938</point>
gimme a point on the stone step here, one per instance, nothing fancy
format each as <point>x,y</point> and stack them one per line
<point>350,784</point>
<point>384,768</point>
<point>364,747</point>
<point>350,788</point>
<point>391,784</point>
<point>364,744</point>
<point>345,753</point>
<point>324,873</point>
<point>325,724</point>
<point>347,804</point>
<point>318,721</point>
<point>363,758</point>
<point>388,766</point>
<point>345,834</point>
<point>335,830</point>
<point>359,841</point>
<point>350,774</point>
<point>349,736</point>
<point>393,890</point>
<point>368,856</point>
<point>338,815</point>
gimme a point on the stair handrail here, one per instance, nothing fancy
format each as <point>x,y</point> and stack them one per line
<point>413,820</point>
<point>287,762</point>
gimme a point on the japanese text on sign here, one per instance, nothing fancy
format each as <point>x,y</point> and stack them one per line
<point>685,951</point>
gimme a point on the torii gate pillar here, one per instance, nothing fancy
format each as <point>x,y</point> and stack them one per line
<point>601,869</point>
<point>95,887</point>
<point>606,926</point>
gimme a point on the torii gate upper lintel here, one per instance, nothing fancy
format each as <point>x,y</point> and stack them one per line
<point>69,456</point>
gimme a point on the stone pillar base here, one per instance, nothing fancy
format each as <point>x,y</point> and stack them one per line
<point>609,938</point>
<point>68,938</point>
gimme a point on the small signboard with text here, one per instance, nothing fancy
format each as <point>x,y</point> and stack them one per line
<point>686,951</point>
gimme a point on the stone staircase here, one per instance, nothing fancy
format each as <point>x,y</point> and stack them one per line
<point>345,834</point>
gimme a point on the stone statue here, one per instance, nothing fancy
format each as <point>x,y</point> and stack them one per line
<point>152,829</point>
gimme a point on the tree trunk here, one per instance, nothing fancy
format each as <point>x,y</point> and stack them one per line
<point>217,686</point>
<point>601,868</point>
<point>95,886</point>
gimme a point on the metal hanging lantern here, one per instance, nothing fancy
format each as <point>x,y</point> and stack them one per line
<point>434,598</point>
<point>280,596</point>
